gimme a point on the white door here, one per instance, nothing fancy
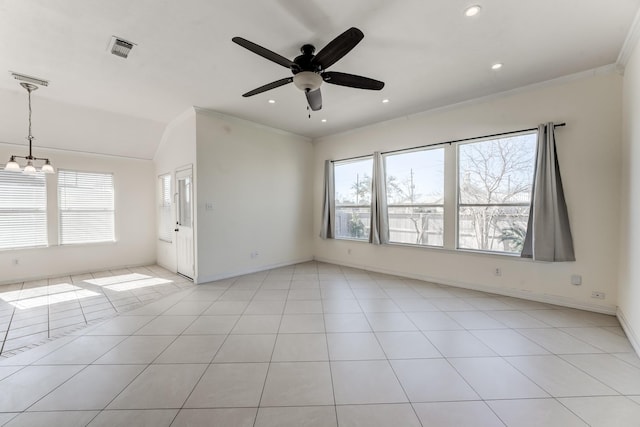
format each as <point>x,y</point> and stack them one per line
<point>184,222</point>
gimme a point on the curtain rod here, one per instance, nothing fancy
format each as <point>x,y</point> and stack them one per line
<point>555,125</point>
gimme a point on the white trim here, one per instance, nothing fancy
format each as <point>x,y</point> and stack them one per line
<point>66,150</point>
<point>516,293</point>
<point>79,272</point>
<point>178,120</point>
<point>242,272</point>
<point>248,123</point>
<point>633,337</point>
<point>604,70</point>
<point>629,44</point>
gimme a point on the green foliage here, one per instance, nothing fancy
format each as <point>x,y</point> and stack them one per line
<point>356,226</point>
<point>515,235</point>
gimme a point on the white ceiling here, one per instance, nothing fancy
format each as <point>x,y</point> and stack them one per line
<point>426,51</point>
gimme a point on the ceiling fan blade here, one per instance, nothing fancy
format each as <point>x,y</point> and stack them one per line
<point>264,52</point>
<point>314,98</point>
<point>337,48</point>
<point>269,86</point>
<point>351,80</point>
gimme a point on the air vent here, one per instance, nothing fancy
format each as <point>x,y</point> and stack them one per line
<point>29,79</point>
<point>120,47</point>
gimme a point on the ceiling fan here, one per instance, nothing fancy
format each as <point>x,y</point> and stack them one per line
<point>309,70</point>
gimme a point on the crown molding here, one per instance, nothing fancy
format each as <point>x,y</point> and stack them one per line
<point>629,44</point>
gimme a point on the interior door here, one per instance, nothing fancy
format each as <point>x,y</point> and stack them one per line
<point>184,222</point>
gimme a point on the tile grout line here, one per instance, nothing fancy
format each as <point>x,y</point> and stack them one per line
<point>395,374</point>
<point>13,312</point>
<point>326,340</point>
<point>275,342</point>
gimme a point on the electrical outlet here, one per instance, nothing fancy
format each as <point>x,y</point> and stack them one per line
<point>349,251</point>
<point>576,280</point>
<point>15,261</point>
<point>497,272</point>
<point>597,294</point>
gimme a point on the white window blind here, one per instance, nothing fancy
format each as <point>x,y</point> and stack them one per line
<point>86,203</point>
<point>23,210</point>
<point>165,225</point>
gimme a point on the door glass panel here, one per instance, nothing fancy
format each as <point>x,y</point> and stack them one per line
<point>184,205</point>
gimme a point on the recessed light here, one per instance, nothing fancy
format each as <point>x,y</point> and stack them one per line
<point>324,120</point>
<point>385,101</point>
<point>272,101</point>
<point>496,66</point>
<point>472,10</point>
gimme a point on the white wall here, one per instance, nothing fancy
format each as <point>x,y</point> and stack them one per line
<point>259,181</point>
<point>589,154</point>
<point>134,220</point>
<point>75,128</point>
<point>629,282</point>
<point>177,149</point>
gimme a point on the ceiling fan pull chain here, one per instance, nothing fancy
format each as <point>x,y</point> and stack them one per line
<point>308,111</point>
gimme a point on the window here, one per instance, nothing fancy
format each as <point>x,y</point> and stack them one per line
<point>494,192</point>
<point>86,203</point>
<point>352,180</point>
<point>165,225</point>
<point>473,194</point>
<point>23,210</point>
<point>415,196</point>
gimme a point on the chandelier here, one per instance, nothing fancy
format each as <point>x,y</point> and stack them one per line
<point>29,167</point>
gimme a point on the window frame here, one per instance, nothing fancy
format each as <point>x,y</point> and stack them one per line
<point>44,211</point>
<point>418,205</point>
<point>451,204</point>
<point>459,205</point>
<point>356,206</point>
<point>170,226</point>
<point>61,210</point>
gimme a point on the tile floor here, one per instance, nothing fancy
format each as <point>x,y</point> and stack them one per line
<point>322,345</point>
<point>34,312</point>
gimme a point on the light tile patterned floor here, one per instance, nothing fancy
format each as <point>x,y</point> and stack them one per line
<point>36,311</point>
<point>321,345</point>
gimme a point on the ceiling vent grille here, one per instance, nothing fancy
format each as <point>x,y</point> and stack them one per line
<point>120,47</point>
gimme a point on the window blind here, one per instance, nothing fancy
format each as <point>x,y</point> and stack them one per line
<point>86,206</point>
<point>23,210</point>
<point>165,226</point>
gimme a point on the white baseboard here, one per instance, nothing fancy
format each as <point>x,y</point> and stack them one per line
<point>516,293</point>
<point>76,273</point>
<point>242,272</point>
<point>633,337</point>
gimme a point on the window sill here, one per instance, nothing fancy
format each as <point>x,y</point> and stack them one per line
<point>84,244</point>
<point>346,239</point>
<point>460,251</point>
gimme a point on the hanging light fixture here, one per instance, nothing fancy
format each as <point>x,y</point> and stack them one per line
<point>30,167</point>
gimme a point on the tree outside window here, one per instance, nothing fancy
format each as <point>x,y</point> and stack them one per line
<point>352,180</point>
<point>494,191</point>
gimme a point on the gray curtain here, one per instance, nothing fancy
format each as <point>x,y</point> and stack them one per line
<point>379,230</point>
<point>548,232</point>
<point>328,203</point>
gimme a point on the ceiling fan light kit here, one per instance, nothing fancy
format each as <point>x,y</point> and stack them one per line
<point>309,70</point>
<point>307,80</point>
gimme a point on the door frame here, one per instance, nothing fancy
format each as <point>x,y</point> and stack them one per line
<point>180,173</point>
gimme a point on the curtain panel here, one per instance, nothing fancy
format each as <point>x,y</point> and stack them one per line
<point>328,203</point>
<point>548,233</point>
<point>379,231</point>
